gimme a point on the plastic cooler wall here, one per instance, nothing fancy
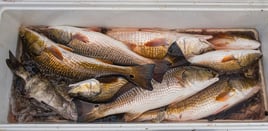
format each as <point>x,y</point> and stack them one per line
<point>12,18</point>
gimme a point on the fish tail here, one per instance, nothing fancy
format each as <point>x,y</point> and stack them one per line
<point>153,115</point>
<point>142,76</point>
<point>88,112</point>
<point>176,56</point>
<point>160,69</point>
<point>15,66</point>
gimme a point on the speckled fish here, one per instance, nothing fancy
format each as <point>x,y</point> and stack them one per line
<point>226,60</point>
<point>222,42</point>
<point>100,90</point>
<point>53,59</point>
<point>178,84</point>
<point>154,44</point>
<point>97,45</point>
<point>212,100</point>
<point>42,90</point>
<point>94,44</point>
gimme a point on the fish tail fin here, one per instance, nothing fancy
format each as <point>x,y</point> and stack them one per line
<point>142,76</point>
<point>160,69</point>
<point>153,115</point>
<point>15,66</point>
<point>176,56</point>
<point>87,112</point>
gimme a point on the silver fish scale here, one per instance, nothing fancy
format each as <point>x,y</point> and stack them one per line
<point>138,100</point>
<point>110,50</point>
<point>205,100</point>
<point>139,37</point>
<point>136,37</point>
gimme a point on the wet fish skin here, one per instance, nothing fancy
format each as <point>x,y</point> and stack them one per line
<point>178,84</point>
<point>94,44</point>
<point>226,60</point>
<point>154,44</point>
<point>191,45</point>
<point>42,90</point>
<point>150,44</point>
<point>223,42</point>
<point>214,99</point>
<point>97,45</point>
<point>54,59</point>
<point>100,90</point>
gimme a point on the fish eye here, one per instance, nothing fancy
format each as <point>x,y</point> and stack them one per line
<point>131,76</point>
<point>96,106</point>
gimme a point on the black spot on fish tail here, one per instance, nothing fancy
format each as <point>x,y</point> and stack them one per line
<point>142,76</point>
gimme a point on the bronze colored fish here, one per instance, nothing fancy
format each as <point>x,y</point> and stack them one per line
<point>94,44</point>
<point>97,45</point>
<point>42,90</point>
<point>154,44</point>
<point>100,90</point>
<point>53,59</point>
<point>223,42</point>
<point>226,60</point>
<point>212,100</point>
<point>178,84</point>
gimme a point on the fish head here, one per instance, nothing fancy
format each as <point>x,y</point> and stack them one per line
<point>33,42</point>
<point>194,75</point>
<point>199,45</point>
<point>59,34</point>
<point>87,88</point>
<point>191,45</point>
<point>245,86</point>
<point>249,56</point>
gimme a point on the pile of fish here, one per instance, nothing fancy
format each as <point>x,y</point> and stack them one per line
<point>144,74</point>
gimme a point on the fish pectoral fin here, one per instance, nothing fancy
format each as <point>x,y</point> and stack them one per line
<point>223,96</point>
<point>228,58</point>
<point>56,52</point>
<point>80,37</point>
<point>65,47</point>
<point>156,42</point>
<point>130,117</point>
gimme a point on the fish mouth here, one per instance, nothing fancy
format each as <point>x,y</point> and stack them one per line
<point>214,73</point>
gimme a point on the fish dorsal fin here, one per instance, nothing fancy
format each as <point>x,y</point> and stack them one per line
<point>130,117</point>
<point>65,47</point>
<point>228,58</point>
<point>156,42</point>
<point>56,52</point>
<point>80,37</point>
